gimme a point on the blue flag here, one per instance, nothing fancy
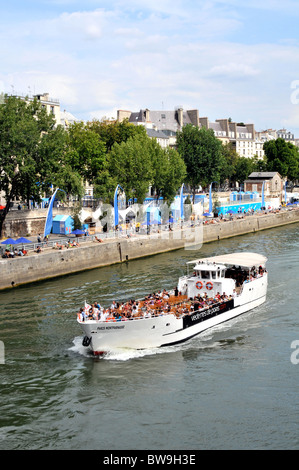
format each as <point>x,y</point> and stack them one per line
<point>49,219</point>
<point>263,195</point>
<point>182,203</point>
<point>210,199</point>
<point>116,205</point>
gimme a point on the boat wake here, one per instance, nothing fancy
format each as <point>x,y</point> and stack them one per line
<point>121,354</point>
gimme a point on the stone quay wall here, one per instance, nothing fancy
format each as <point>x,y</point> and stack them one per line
<point>52,263</point>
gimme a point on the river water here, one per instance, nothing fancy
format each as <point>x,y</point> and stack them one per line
<point>234,387</point>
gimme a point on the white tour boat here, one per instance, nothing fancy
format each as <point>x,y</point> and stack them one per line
<point>214,291</point>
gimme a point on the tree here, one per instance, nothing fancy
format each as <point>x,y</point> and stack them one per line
<point>32,150</point>
<point>111,132</point>
<point>87,155</point>
<point>230,159</point>
<point>169,170</point>
<point>283,157</point>
<point>244,166</point>
<point>202,154</point>
<point>130,166</point>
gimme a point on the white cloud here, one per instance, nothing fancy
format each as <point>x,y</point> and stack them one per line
<point>127,55</point>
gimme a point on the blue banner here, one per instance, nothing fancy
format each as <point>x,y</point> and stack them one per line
<point>263,195</point>
<point>210,199</point>
<point>49,219</point>
<point>182,202</point>
<point>116,218</point>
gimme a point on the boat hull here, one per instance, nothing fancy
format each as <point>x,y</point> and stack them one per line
<point>168,330</point>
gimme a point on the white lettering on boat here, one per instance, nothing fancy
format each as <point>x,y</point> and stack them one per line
<point>112,327</point>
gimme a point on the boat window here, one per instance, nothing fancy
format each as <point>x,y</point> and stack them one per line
<point>205,274</point>
<point>213,274</point>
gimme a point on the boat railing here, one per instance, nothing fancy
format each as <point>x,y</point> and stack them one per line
<point>178,310</point>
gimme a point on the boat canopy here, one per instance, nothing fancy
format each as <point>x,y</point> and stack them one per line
<point>242,259</point>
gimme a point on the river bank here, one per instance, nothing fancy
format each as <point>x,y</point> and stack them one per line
<point>52,263</point>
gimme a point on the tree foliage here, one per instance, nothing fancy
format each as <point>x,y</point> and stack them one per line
<point>283,157</point>
<point>31,152</point>
<point>130,166</point>
<point>202,154</point>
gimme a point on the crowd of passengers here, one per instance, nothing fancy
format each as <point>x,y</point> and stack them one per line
<point>241,276</point>
<point>154,305</point>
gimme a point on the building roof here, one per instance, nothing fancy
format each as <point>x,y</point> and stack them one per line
<point>67,118</point>
<point>61,218</point>
<point>263,175</point>
<point>162,120</point>
<point>156,134</point>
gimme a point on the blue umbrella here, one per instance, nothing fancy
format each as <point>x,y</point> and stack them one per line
<point>77,232</point>
<point>207,214</point>
<point>23,240</point>
<point>9,241</point>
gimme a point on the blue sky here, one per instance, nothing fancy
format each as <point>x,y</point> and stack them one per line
<point>220,57</point>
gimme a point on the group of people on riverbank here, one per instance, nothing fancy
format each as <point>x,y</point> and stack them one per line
<point>154,305</point>
<point>13,253</point>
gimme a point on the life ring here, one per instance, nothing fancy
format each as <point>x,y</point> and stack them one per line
<point>209,285</point>
<point>86,341</point>
<point>199,285</point>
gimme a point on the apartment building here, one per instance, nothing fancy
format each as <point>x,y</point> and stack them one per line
<point>161,120</point>
<point>272,134</point>
<point>52,106</point>
<point>161,125</point>
<point>242,137</point>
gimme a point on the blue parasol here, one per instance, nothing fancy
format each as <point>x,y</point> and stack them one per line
<point>77,232</point>
<point>23,240</point>
<point>9,241</point>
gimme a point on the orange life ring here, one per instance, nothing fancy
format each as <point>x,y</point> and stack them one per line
<point>209,285</point>
<point>199,285</point>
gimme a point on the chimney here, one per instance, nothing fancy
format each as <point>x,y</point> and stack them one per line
<point>180,117</point>
<point>204,121</point>
<point>122,115</point>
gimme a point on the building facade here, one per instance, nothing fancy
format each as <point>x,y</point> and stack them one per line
<point>273,183</point>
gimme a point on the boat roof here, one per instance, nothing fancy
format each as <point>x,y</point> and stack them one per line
<point>243,259</point>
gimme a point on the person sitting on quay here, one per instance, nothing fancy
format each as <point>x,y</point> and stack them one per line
<point>57,246</point>
<point>38,249</point>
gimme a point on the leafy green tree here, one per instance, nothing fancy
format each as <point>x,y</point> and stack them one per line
<point>87,155</point>
<point>244,166</point>
<point>169,170</point>
<point>202,154</point>
<point>32,151</point>
<point>230,159</point>
<point>111,132</point>
<point>283,157</point>
<point>130,165</point>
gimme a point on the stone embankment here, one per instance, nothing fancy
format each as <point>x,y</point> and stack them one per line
<point>52,263</point>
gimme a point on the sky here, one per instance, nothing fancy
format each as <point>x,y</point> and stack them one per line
<point>226,58</point>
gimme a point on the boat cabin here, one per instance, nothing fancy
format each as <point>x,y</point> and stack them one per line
<point>220,274</point>
<point>209,278</point>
